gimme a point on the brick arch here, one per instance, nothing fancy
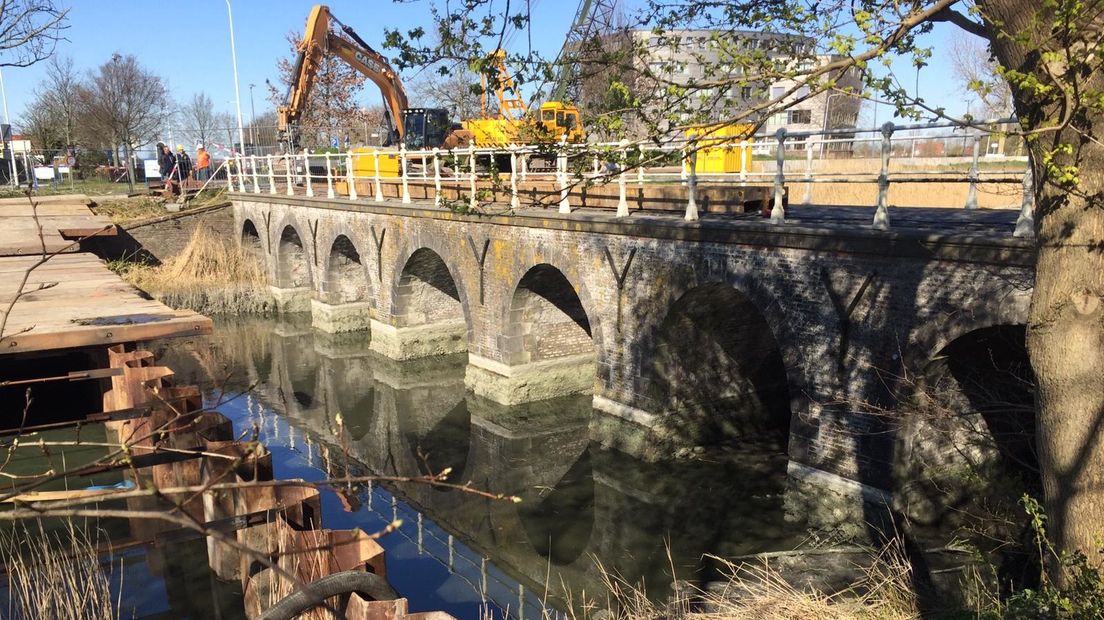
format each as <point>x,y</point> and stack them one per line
<point>933,335</point>
<point>345,274</point>
<point>424,275</point>
<point>250,238</point>
<point>547,316</point>
<point>715,370</point>
<point>293,267</point>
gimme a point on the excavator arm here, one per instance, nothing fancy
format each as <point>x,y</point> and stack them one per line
<point>319,41</point>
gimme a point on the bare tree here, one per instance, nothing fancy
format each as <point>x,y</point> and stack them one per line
<point>41,122</point>
<point>198,119</point>
<point>58,92</point>
<point>975,70</point>
<point>457,90</point>
<point>29,31</point>
<point>127,103</point>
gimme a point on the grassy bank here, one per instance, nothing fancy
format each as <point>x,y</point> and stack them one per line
<point>211,275</point>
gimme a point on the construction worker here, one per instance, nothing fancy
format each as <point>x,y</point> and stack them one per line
<point>202,163</point>
<point>183,164</point>
<point>167,162</point>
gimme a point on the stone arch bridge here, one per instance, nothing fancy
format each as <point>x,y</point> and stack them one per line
<point>726,329</point>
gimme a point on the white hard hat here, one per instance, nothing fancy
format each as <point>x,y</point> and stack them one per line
<point>199,146</point>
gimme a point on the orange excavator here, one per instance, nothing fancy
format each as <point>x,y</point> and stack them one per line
<point>417,128</point>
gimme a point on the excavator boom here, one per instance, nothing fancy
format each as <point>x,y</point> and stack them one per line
<point>318,41</point>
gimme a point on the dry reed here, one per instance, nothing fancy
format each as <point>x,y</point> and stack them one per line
<point>212,275</point>
<point>56,575</point>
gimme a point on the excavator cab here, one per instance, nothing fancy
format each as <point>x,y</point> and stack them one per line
<point>425,128</point>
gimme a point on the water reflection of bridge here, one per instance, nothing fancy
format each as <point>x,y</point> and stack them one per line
<point>581,505</point>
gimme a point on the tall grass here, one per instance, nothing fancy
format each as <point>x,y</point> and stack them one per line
<point>212,275</point>
<point>54,575</point>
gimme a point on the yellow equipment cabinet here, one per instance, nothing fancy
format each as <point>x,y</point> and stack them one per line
<point>718,148</point>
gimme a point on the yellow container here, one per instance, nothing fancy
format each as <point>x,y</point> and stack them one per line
<point>490,132</point>
<point>719,149</point>
<point>364,163</point>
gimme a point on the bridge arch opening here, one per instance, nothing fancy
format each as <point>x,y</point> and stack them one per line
<point>292,264</point>
<point>717,373</point>
<point>427,293</point>
<point>346,279</point>
<point>547,319</point>
<point>251,240</point>
<point>965,452</point>
<point>559,520</point>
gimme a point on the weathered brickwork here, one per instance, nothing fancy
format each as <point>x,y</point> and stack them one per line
<point>850,314</point>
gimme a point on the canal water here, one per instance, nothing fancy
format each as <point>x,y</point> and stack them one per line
<point>327,407</point>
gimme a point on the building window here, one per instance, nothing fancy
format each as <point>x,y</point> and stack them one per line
<point>796,143</point>
<point>777,92</point>
<point>801,117</point>
<point>746,92</point>
<point>778,118</point>
<point>802,92</point>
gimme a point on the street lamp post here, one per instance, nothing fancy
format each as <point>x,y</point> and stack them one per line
<point>252,118</point>
<point>234,60</point>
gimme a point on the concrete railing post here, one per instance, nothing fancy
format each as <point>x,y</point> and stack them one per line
<point>881,214</point>
<point>436,177</point>
<point>640,169</point>
<point>307,169</point>
<point>971,194</point>
<point>271,175</point>
<point>778,210</point>
<point>743,161</point>
<point>329,177</point>
<point>288,158</point>
<point>561,178</point>
<point>1025,224</point>
<point>685,158</point>
<point>471,176</point>
<point>524,166</point>
<point>379,185</point>
<point>350,176</point>
<point>256,181</point>
<point>241,174</point>
<point>692,183</point>
<point>808,172</point>
<point>597,165</point>
<point>515,201</point>
<point>402,173</point>
<point>622,197</point>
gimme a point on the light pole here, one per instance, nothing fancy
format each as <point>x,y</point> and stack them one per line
<point>11,159</point>
<point>234,60</point>
<point>252,118</point>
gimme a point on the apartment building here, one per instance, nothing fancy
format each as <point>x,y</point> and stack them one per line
<point>701,57</point>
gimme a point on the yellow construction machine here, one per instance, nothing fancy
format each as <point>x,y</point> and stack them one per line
<point>416,128</point>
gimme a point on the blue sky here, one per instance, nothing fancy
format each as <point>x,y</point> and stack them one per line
<point>189,44</point>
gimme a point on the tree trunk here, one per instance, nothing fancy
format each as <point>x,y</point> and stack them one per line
<point>1065,335</point>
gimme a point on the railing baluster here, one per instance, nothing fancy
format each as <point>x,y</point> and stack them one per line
<point>288,158</point>
<point>472,203</point>
<point>561,176</point>
<point>241,173</point>
<point>808,171</point>
<point>436,177</point>
<point>350,176</point>
<point>778,211</point>
<point>692,183</point>
<point>1025,224</point>
<point>881,214</point>
<point>744,160</point>
<point>379,184</point>
<point>307,169</point>
<point>622,197</point>
<point>256,181</point>
<point>971,194</point>
<point>402,173</point>
<point>515,201</point>
<point>271,175</point>
<point>329,177</point>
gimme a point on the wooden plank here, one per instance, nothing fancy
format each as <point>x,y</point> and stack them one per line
<point>60,199</point>
<point>87,336</point>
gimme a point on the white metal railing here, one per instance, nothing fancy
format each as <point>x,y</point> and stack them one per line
<point>461,171</point>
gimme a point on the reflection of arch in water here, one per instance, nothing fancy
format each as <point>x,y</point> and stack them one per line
<point>300,363</point>
<point>447,444</point>
<point>353,394</point>
<point>559,521</point>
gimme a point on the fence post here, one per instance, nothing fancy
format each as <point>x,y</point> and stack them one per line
<point>778,211</point>
<point>692,183</point>
<point>436,177</point>
<point>402,173</point>
<point>808,172</point>
<point>307,168</point>
<point>881,215</point>
<point>379,185</point>
<point>256,181</point>
<point>561,176</point>
<point>329,177</point>
<point>622,198</point>
<point>743,160</point>
<point>288,157</point>
<point>471,175</point>
<point>971,195</point>
<point>1025,224</point>
<point>350,176</point>
<point>515,201</point>
<point>271,175</point>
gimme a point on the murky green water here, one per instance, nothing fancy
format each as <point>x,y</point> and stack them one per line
<point>325,405</point>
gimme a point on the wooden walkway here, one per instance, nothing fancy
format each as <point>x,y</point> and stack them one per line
<point>71,299</point>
